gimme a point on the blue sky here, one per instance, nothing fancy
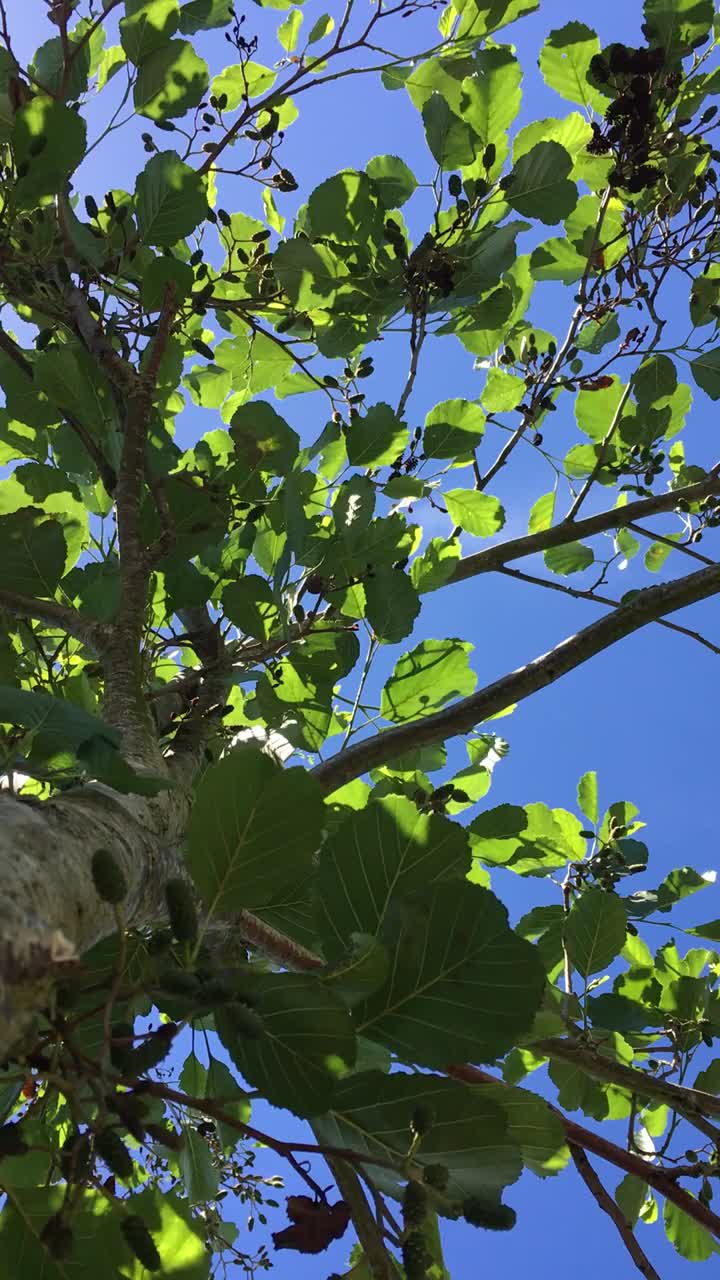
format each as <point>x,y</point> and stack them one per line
<point>642,714</point>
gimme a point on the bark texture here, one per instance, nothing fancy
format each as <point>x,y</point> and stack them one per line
<point>50,911</point>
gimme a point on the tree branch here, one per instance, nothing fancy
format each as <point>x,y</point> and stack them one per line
<point>578,1136</point>
<point>613,1210</point>
<point>693,1104</point>
<point>368,1231</point>
<point>497,557</point>
<point>462,716</point>
<point>125,706</point>
<point>84,629</point>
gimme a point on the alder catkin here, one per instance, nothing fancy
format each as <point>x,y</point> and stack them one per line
<point>108,877</point>
<point>181,910</point>
<point>138,1239</point>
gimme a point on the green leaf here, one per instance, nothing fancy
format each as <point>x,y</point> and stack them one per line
<point>48,68</point>
<point>170,199</point>
<point>345,208</point>
<point>542,512</point>
<point>391,604</point>
<point>97,1235</point>
<point>371,1112</point>
<point>502,391</point>
<point>452,428</point>
<point>539,185</point>
<point>203,15</point>
<point>360,971</point>
<point>161,273</point>
<point>436,565</point>
<point>476,513</point>
<point>34,552</point>
<point>476,18</point>
<point>677,25</point>
<point>251,605</point>
<point>235,82</point>
<point>557,259</point>
<point>49,141</point>
<point>463,986</point>
<point>321,28</point>
<point>489,101</point>
<point>423,680</point>
<point>655,380</point>
<point>595,930</point>
<point>394,182</point>
<point>710,930</point>
<point>687,1236</point>
<point>533,840</point>
<point>308,1044</point>
<point>386,849</point>
<point>59,726</point>
<point>309,273</point>
<point>564,62</point>
<point>147,27</point>
<point>571,558</point>
<point>263,440</point>
<point>289,30</point>
<point>171,81</point>
<point>254,828</point>
<point>198,1172</point>
<point>377,438</point>
<point>451,141</point>
<point>532,1124</point>
<point>587,795</point>
<point>706,372</point>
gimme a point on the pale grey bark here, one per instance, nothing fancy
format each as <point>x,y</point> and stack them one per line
<point>50,911</point>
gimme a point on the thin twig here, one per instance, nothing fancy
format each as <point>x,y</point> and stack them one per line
<point>417,337</point>
<point>612,1209</point>
<point>594,598</point>
<point>669,542</point>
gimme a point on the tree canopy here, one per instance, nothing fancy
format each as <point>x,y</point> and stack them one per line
<point>249,850</point>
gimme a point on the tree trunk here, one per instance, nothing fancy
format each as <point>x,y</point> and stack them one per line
<point>51,912</point>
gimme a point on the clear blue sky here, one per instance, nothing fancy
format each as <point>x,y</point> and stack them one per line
<point>642,714</point>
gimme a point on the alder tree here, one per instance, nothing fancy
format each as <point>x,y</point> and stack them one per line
<point>240,866</point>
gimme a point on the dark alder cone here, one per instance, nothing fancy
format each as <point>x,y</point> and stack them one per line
<point>12,1142</point>
<point>483,1213</point>
<point>181,910</point>
<point>138,1239</point>
<point>414,1204</point>
<point>76,1156</point>
<point>178,982</point>
<point>415,1256</point>
<point>437,1176</point>
<point>57,1238</point>
<point>244,1020</point>
<point>422,1120</point>
<point>152,1050</point>
<point>121,1045</point>
<point>113,1151</point>
<point>108,877</point>
<point>131,1111</point>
